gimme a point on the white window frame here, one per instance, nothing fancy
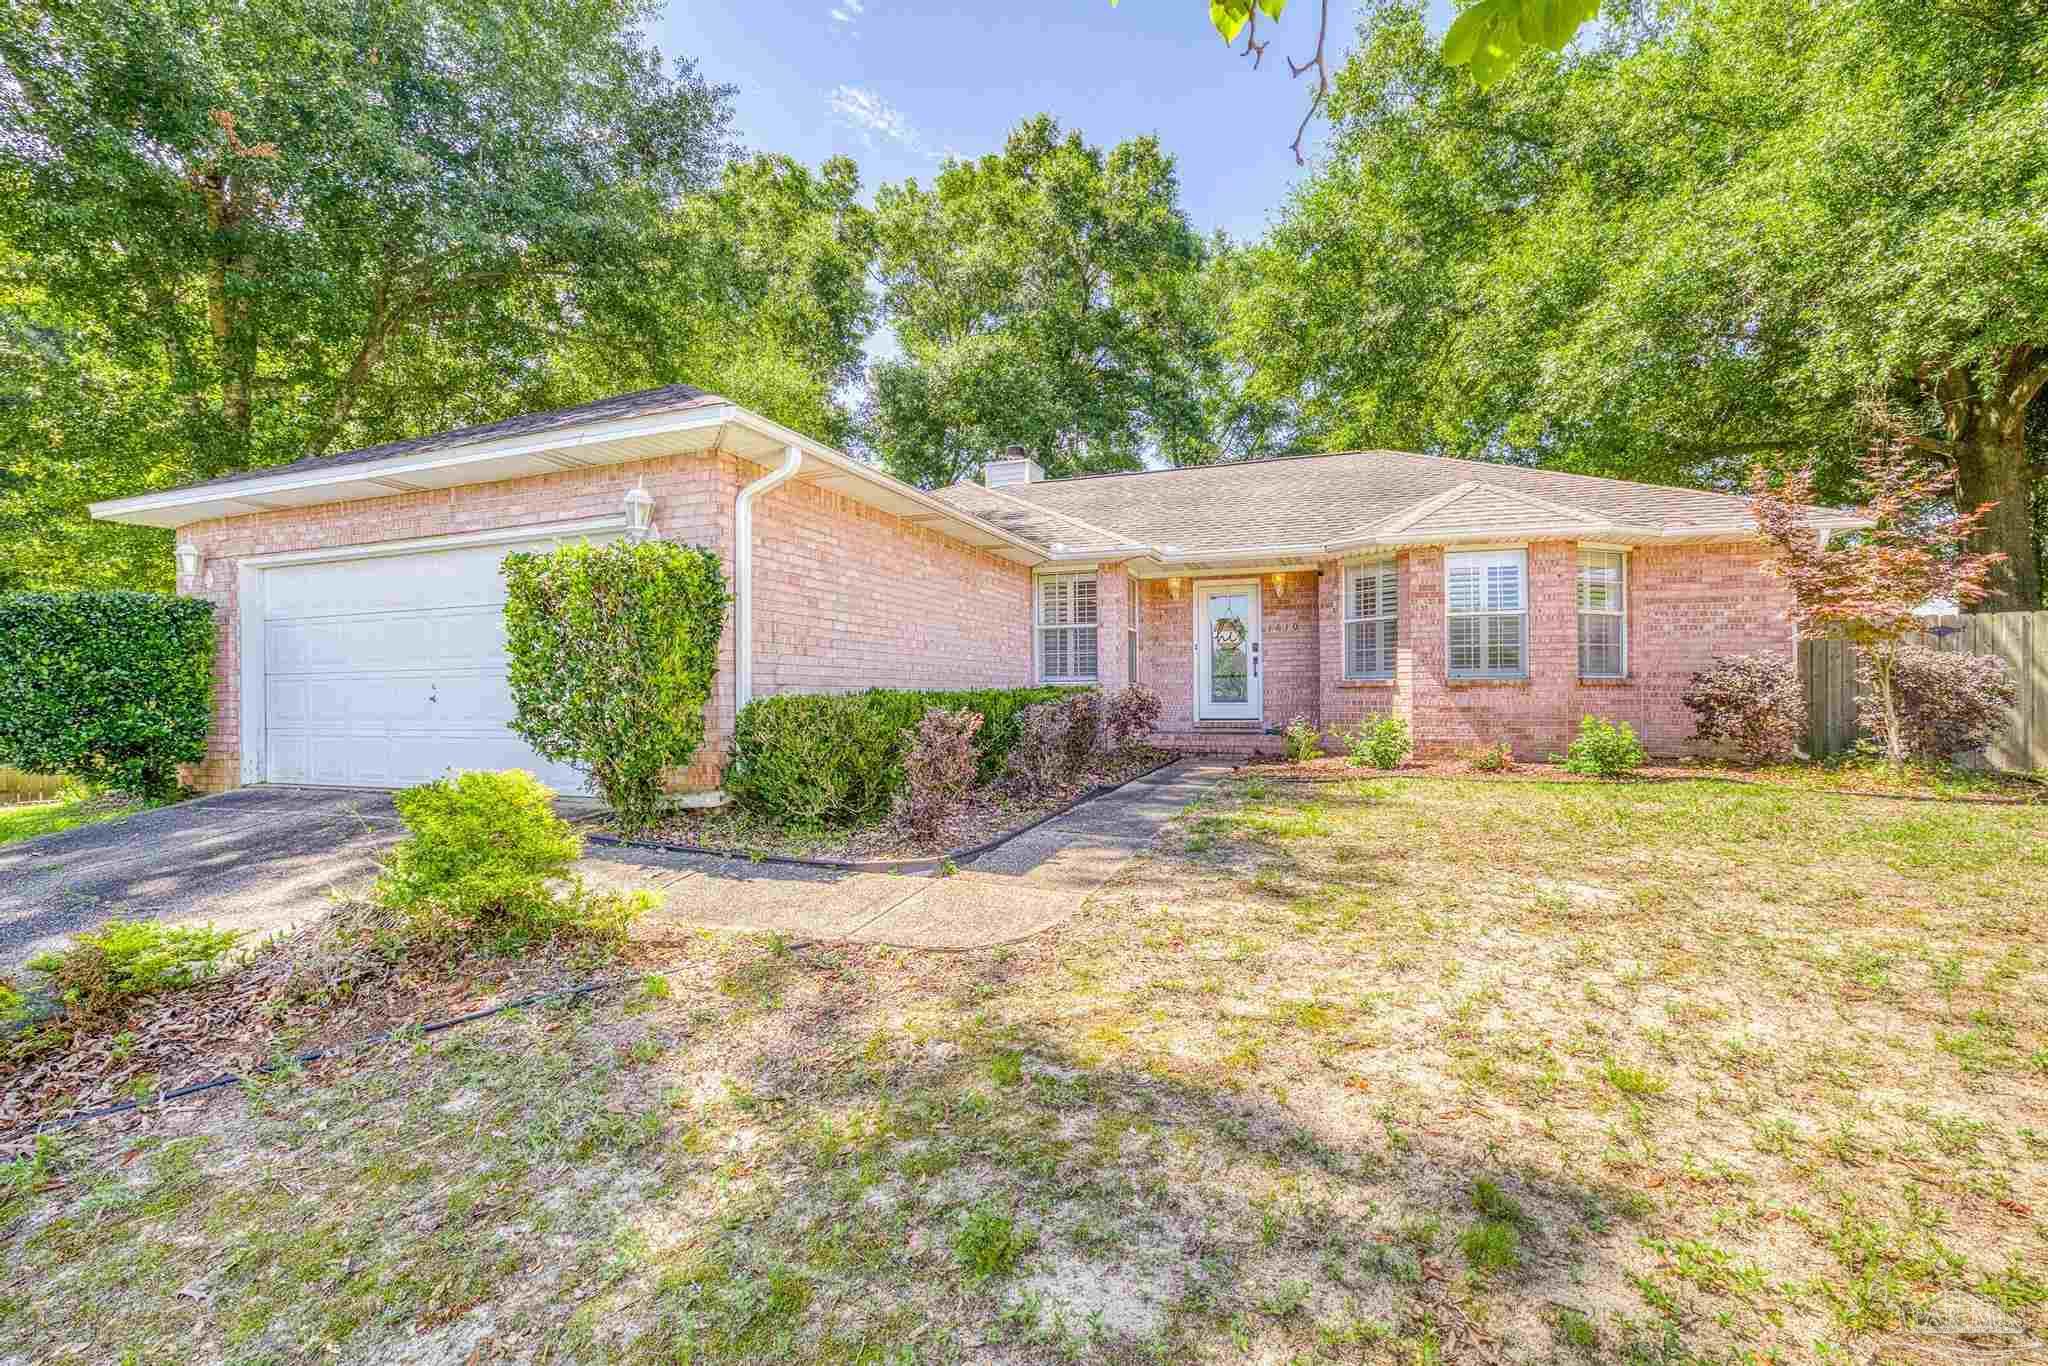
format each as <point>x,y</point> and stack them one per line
<point>1496,611</point>
<point>1603,560</point>
<point>1385,616</point>
<point>1060,611</point>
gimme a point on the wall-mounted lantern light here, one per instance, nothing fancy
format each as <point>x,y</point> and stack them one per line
<point>188,560</point>
<point>1279,582</point>
<point>639,512</point>
<point>1173,589</point>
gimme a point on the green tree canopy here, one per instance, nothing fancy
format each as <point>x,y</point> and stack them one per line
<point>1708,241</point>
<point>1044,296</point>
<point>235,236</point>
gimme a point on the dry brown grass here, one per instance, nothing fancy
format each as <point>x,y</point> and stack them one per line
<point>1397,1070</point>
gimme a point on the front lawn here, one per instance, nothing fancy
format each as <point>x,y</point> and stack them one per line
<point>1415,1070</point>
<point>47,818</point>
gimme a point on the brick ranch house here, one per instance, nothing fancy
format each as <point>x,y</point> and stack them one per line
<point>361,640</point>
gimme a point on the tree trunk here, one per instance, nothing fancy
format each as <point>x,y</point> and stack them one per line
<point>1988,435</point>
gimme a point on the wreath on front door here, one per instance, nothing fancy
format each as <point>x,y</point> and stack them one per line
<point>1229,634</point>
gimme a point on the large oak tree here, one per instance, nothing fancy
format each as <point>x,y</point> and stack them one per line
<point>1044,296</point>
<point>233,235</point>
<point>1708,241</point>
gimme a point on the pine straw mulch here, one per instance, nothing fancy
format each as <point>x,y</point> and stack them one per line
<point>1853,778</point>
<point>337,981</point>
<point>989,813</point>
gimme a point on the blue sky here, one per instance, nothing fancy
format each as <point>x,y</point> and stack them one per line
<point>898,87</point>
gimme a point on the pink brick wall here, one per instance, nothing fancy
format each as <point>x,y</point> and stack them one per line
<point>848,597</point>
<point>1686,604</point>
<point>693,503</point>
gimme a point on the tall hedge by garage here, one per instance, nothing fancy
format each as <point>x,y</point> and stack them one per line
<point>611,651</point>
<point>115,689</point>
<point>823,759</point>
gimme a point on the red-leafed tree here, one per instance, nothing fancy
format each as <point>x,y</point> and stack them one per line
<point>1863,586</point>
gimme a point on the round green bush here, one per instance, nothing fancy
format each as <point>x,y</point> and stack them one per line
<point>112,688</point>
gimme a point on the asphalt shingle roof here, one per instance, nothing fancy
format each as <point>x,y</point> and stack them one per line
<point>1293,500</point>
<point>669,398</point>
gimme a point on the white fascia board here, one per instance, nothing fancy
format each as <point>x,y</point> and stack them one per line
<point>256,485</point>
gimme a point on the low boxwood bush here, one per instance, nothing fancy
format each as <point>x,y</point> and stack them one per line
<point>611,651</point>
<point>822,759</point>
<point>101,968</point>
<point>486,854</point>
<point>1605,749</point>
<point>115,689</point>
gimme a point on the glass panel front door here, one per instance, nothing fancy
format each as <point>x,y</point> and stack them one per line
<point>1227,653</point>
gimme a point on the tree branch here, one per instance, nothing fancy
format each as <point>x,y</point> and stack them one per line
<point>1317,64</point>
<point>1253,48</point>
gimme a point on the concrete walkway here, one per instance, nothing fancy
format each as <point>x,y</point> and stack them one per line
<point>1027,886</point>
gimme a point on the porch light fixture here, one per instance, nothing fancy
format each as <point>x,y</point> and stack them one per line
<point>188,560</point>
<point>1279,581</point>
<point>639,512</point>
<point>1173,589</point>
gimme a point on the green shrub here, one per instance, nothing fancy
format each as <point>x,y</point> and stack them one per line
<point>1304,740</point>
<point>128,958</point>
<point>822,759</point>
<point>487,853</point>
<point>1383,741</point>
<point>112,688</point>
<point>611,651</point>
<point>1605,749</point>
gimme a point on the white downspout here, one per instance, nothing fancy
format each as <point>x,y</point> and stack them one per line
<point>743,574</point>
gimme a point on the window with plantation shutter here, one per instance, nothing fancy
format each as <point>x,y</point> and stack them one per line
<point>1372,619</point>
<point>1603,614</point>
<point>1066,628</point>
<point>1486,607</point>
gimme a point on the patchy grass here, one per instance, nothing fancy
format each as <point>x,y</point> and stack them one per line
<point>47,818</point>
<point>1395,1070</point>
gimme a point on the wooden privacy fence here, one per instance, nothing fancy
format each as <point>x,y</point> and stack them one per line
<point>1828,670</point>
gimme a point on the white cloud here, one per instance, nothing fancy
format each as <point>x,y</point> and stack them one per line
<point>874,117</point>
<point>847,12</point>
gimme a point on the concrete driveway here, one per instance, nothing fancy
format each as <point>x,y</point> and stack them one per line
<point>258,859</point>
<point>264,859</point>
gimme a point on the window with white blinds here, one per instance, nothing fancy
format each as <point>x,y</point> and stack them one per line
<point>1372,619</point>
<point>1066,628</point>
<point>1603,614</point>
<point>1486,602</point>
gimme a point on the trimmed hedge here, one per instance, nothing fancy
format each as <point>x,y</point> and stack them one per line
<point>112,688</point>
<point>812,759</point>
<point>611,651</point>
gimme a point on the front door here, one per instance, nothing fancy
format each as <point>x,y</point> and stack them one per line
<point>1227,682</point>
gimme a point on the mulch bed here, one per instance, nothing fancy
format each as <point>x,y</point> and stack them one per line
<point>1992,789</point>
<point>989,814</point>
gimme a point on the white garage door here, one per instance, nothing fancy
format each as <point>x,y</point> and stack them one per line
<point>390,671</point>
